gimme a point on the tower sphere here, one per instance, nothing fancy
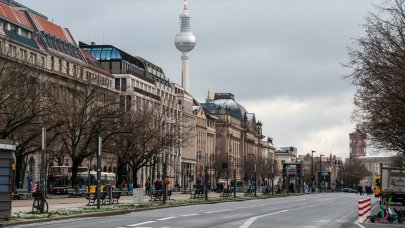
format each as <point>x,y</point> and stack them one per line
<point>185,41</point>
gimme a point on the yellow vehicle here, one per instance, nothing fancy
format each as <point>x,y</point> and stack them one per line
<point>106,178</point>
<point>377,186</point>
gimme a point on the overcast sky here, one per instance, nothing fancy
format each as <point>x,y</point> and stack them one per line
<point>280,58</point>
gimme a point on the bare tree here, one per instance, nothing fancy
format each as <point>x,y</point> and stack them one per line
<point>378,65</point>
<point>87,111</point>
<point>352,172</point>
<point>25,106</point>
<point>147,130</point>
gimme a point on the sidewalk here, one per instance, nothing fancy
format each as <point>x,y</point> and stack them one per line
<point>58,202</point>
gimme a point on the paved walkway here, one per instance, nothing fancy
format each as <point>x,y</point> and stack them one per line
<point>58,202</point>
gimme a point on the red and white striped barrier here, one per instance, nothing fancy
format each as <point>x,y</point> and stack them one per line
<point>364,209</point>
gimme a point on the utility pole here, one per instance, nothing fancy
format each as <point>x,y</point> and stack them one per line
<point>164,176</point>
<point>312,170</point>
<point>255,179</point>
<point>320,172</point>
<point>272,176</point>
<point>206,177</point>
<point>43,169</point>
<point>98,172</point>
<point>234,178</point>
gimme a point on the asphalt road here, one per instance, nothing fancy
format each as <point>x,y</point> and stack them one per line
<point>316,210</point>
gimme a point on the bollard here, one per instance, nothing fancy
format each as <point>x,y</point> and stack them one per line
<point>364,209</point>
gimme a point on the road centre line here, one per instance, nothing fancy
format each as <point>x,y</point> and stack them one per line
<point>211,212</point>
<point>253,219</point>
<point>141,223</point>
<point>167,218</point>
<point>188,215</point>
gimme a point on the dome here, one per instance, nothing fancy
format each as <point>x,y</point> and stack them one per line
<point>218,107</point>
<point>185,41</point>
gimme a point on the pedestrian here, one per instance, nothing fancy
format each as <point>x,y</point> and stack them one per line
<point>147,187</point>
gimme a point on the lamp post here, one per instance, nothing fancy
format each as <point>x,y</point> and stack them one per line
<point>255,179</point>
<point>320,172</point>
<point>312,171</point>
<point>255,172</point>
<point>164,176</point>
<point>206,177</point>
<point>98,172</point>
<point>234,178</point>
<point>43,169</point>
<point>272,176</point>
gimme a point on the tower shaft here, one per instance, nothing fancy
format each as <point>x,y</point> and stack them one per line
<point>184,75</point>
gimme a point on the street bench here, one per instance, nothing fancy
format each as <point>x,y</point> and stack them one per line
<point>248,192</point>
<point>73,193</point>
<point>156,195</point>
<point>198,193</point>
<point>21,194</point>
<point>115,196</point>
<point>226,193</point>
<point>93,198</point>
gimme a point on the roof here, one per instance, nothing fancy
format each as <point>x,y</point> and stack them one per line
<point>218,107</point>
<point>46,26</point>
<point>109,53</point>
<point>15,16</point>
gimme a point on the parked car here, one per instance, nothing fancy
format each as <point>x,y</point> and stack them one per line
<point>349,190</point>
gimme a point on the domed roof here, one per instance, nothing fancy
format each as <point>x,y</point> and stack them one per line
<point>218,106</point>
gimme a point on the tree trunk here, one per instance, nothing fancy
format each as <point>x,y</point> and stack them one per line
<point>20,170</point>
<point>120,167</point>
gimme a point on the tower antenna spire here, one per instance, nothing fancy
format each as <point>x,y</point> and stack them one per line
<point>185,10</point>
<point>185,42</point>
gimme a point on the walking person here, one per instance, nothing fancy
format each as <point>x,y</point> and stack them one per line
<point>147,187</point>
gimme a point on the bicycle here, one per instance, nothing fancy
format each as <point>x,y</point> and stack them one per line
<point>37,207</point>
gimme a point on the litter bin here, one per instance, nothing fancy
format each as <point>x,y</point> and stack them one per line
<point>138,196</point>
<point>108,190</point>
<point>7,166</point>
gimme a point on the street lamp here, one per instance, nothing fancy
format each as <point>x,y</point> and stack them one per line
<point>234,178</point>
<point>255,172</point>
<point>320,171</point>
<point>164,175</point>
<point>206,176</point>
<point>98,172</point>
<point>312,171</point>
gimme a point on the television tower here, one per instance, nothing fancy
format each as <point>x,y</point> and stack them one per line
<point>185,42</point>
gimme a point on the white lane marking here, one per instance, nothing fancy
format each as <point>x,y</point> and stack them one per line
<point>211,212</point>
<point>251,220</point>
<point>141,223</point>
<point>189,215</point>
<point>167,218</point>
<point>359,225</point>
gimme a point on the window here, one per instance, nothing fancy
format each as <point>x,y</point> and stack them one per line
<point>13,50</point>
<point>33,58</point>
<point>23,54</point>
<point>67,68</point>
<point>60,65</point>
<point>52,63</point>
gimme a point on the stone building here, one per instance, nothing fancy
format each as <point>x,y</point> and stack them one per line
<point>29,38</point>
<point>238,139</point>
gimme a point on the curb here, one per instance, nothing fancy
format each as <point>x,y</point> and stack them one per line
<point>126,211</point>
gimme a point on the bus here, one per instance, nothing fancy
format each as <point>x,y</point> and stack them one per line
<point>60,179</point>
<point>89,180</point>
<point>377,186</point>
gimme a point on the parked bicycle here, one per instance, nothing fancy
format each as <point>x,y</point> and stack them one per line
<point>39,205</point>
